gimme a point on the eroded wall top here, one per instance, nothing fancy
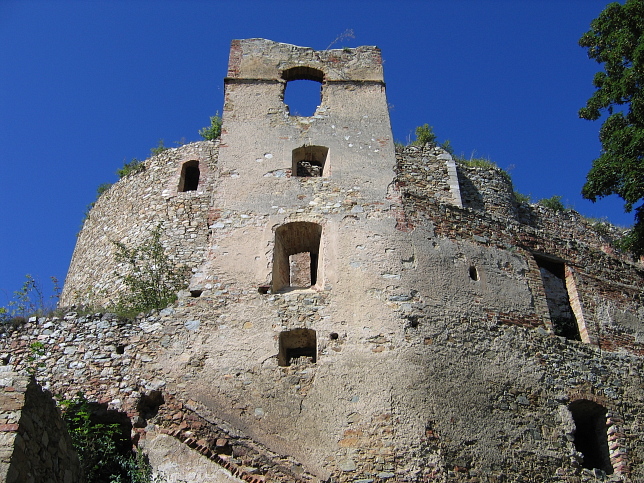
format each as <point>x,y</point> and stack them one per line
<point>265,59</point>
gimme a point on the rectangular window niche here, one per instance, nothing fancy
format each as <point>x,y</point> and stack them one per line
<point>297,263</point>
<point>562,298</point>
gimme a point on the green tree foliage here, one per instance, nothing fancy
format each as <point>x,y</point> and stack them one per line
<point>616,39</point>
<point>213,131</point>
<point>152,279</point>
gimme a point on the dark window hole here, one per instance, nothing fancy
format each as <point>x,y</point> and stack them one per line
<point>120,349</point>
<point>196,293</point>
<point>553,276</point>
<point>189,180</point>
<point>148,405</point>
<point>333,336</point>
<point>297,346</point>
<point>591,437</point>
<point>474,273</point>
<point>310,161</point>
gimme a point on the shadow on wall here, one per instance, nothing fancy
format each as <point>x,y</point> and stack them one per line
<point>470,195</point>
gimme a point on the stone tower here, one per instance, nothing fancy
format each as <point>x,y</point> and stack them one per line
<point>302,174</point>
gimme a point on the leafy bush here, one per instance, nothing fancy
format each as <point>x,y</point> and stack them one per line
<point>424,134</point>
<point>447,146</point>
<point>104,449</point>
<point>633,241</point>
<point>133,167</point>
<point>213,131</point>
<point>553,203</point>
<point>152,279</point>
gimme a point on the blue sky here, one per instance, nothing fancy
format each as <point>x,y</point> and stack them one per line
<point>87,85</point>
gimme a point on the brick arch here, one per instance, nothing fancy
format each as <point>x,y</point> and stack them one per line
<point>302,72</point>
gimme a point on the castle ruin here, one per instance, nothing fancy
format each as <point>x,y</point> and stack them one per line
<point>356,311</point>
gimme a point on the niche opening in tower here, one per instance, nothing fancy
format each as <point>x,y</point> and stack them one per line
<point>297,346</point>
<point>474,273</point>
<point>311,161</point>
<point>591,437</point>
<point>553,275</point>
<point>189,180</point>
<point>303,90</point>
<point>297,262</point>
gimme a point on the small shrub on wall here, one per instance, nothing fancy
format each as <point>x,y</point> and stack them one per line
<point>553,203</point>
<point>104,449</point>
<point>212,132</point>
<point>152,279</point>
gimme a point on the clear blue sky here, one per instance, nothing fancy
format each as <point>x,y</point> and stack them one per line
<point>85,85</point>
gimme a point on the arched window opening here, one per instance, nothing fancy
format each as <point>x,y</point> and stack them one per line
<point>591,438</point>
<point>189,180</point>
<point>296,347</point>
<point>296,257</point>
<point>303,90</point>
<point>553,275</point>
<point>310,161</point>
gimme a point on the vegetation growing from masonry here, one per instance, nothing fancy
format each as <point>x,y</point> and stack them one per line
<point>424,134</point>
<point>29,301</point>
<point>104,449</point>
<point>133,167</point>
<point>616,40</point>
<point>553,203</point>
<point>102,188</point>
<point>159,148</point>
<point>152,279</point>
<point>522,199</point>
<point>212,132</point>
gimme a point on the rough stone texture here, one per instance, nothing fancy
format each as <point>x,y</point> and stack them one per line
<point>487,189</point>
<point>130,210</point>
<point>435,357</point>
<point>34,443</point>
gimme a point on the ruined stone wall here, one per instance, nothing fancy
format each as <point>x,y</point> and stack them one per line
<point>487,189</point>
<point>128,213</point>
<point>428,171</point>
<point>34,443</point>
<point>608,285</point>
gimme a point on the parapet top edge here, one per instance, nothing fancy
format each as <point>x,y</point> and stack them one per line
<point>302,47</point>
